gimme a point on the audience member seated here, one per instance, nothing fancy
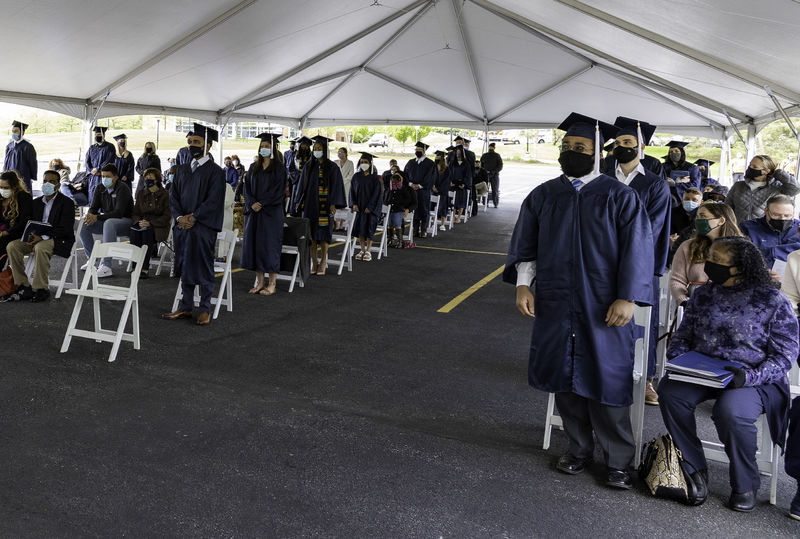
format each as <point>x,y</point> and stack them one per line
<point>63,170</point>
<point>402,200</point>
<point>715,193</point>
<point>15,208</point>
<point>714,220</point>
<point>59,211</point>
<point>762,180</point>
<point>109,215</point>
<point>740,317</point>
<point>683,216</point>
<point>387,175</point>
<point>151,216</point>
<point>775,234</point>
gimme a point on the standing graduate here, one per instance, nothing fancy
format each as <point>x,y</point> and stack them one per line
<point>291,167</point>
<point>583,242</point>
<point>21,155</point>
<point>184,155</point>
<point>302,160</point>
<point>442,186</point>
<point>124,161</point>
<point>264,214</point>
<point>680,174</point>
<point>461,170</point>
<point>647,161</point>
<point>654,194</point>
<point>321,194</point>
<point>98,155</point>
<point>421,173</point>
<point>365,199</point>
<point>197,200</point>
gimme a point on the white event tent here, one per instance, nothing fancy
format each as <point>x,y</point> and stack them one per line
<point>713,68</point>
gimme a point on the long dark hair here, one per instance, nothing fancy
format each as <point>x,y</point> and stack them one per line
<point>277,157</point>
<point>748,260</point>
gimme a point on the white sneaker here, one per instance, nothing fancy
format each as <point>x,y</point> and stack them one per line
<point>442,227</point>
<point>85,266</point>
<point>104,271</point>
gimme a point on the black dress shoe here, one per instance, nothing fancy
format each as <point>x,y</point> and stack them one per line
<point>569,464</point>
<point>742,501</point>
<point>40,294</point>
<point>700,494</point>
<point>619,479</point>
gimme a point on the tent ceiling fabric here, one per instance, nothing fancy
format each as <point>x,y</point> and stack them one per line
<point>470,63</point>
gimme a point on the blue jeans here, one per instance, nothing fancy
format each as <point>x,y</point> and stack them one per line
<point>396,218</point>
<point>110,229</point>
<point>80,198</point>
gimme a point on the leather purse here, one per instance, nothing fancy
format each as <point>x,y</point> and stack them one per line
<point>664,471</point>
<point>7,286</point>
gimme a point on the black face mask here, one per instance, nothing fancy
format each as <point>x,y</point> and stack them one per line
<point>304,153</point>
<point>752,173</point>
<point>196,151</point>
<point>148,150</point>
<point>781,225</point>
<point>418,153</point>
<point>717,272</point>
<point>149,183</point>
<point>625,155</point>
<point>575,164</point>
<point>98,138</point>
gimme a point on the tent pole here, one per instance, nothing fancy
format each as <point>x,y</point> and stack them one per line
<point>85,141</point>
<point>724,160</point>
<point>751,142</point>
<point>789,122</point>
<point>735,127</point>
<point>485,137</point>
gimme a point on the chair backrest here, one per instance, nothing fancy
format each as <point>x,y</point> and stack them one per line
<point>121,251</point>
<point>641,318</point>
<point>228,239</point>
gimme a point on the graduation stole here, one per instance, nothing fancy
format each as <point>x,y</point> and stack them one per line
<point>322,191</point>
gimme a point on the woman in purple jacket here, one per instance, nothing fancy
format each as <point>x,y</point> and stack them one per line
<point>741,316</point>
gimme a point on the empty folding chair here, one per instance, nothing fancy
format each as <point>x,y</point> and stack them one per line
<point>641,317</point>
<point>225,294</point>
<point>91,288</point>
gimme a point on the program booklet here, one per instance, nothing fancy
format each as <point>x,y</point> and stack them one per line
<point>38,228</point>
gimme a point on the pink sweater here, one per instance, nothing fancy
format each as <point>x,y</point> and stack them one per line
<point>684,273</point>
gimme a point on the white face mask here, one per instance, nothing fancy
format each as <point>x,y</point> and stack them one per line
<point>236,162</point>
<point>364,166</point>
<point>5,193</point>
<point>317,153</point>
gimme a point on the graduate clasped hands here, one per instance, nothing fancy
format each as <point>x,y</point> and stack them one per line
<point>186,222</point>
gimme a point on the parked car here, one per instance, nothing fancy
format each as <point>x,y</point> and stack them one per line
<point>379,139</point>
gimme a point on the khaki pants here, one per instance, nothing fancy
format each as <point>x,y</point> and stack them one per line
<point>42,252</point>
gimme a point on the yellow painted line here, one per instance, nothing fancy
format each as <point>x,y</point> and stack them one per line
<point>460,250</point>
<point>455,302</point>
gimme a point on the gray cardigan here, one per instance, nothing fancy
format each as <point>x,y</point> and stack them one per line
<point>750,204</point>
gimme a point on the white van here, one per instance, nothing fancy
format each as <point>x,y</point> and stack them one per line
<point>378,139</point>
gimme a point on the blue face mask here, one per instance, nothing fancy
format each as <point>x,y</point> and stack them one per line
<point>265,152</point>
<point>107,182</point>
<point>48,189</point>
<point>15,136</point>
<point>171,177</point>
<point>690,205</point>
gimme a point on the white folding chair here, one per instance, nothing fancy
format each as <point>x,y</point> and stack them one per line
<point>409,220</point>
<point>347,238</point>
<point>91,288</point>
<point>665,316</point>
<point>70,266</point>
<point>225,294</point>
<point>641,316</point>
<point>468,208</point>
<point>451,210</point>
<point>381,248</point>
<point>433,221</point>
<point>166,255</point>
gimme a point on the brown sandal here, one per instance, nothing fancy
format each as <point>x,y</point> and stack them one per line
<point>256,290</point>
<point>266,290</point>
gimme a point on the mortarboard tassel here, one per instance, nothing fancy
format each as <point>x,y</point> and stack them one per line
<point>639,140</point>
<point>597,149</point>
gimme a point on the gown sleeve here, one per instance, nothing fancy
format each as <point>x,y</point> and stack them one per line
<point>524,240</point>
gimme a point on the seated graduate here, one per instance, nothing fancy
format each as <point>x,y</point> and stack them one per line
<point>714,220</point>
<point>365,199</point>
<point>461,171</point>
<point>15,208</point>
<point>582,346</point>
<point>264,193</point>
<point>197,199</point>
<point>151,216</point>
<point>322,193</point>
<point>776,233</point>
<point>57,210</point>
<point>402,200</point>
<point>442,186</point>
<point>740,317</point>
<point>109,215</point>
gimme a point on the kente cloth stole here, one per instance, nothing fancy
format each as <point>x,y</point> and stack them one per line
<point>324,209</point>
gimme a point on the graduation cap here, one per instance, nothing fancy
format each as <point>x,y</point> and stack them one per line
<point>22,126</point>
<point>189,134</point>
<point>209,134</point>
<point>609,147</point>
<point>271,137</point>
<point>304,140</point>
<point>677,144</point>
<point>122,136</point>
<point>579,125</point>
<point>319,139</point>
<point>368,156</point>
<point>704,163</point>
<point>450,149</point>
<point>439,153</point>
<point>643,131</point>
<point>422,145</point>
<point>466,140</point>
<point>99,129</point>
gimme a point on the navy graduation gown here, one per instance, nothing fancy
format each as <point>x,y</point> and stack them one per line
<point>309,195</point>
<point>263,230</point>
<point>591,247</point>
<point>98,156</point>
<point>424,174</point>
<point>365,192</point>
<point>21,156</point>
<point>443,188</point>
<point>461,174</point>
<point>125,168</point>
<point>695,179</point>
<point>654,194</point>
<point>183,156</point>
<point>201,193</point>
